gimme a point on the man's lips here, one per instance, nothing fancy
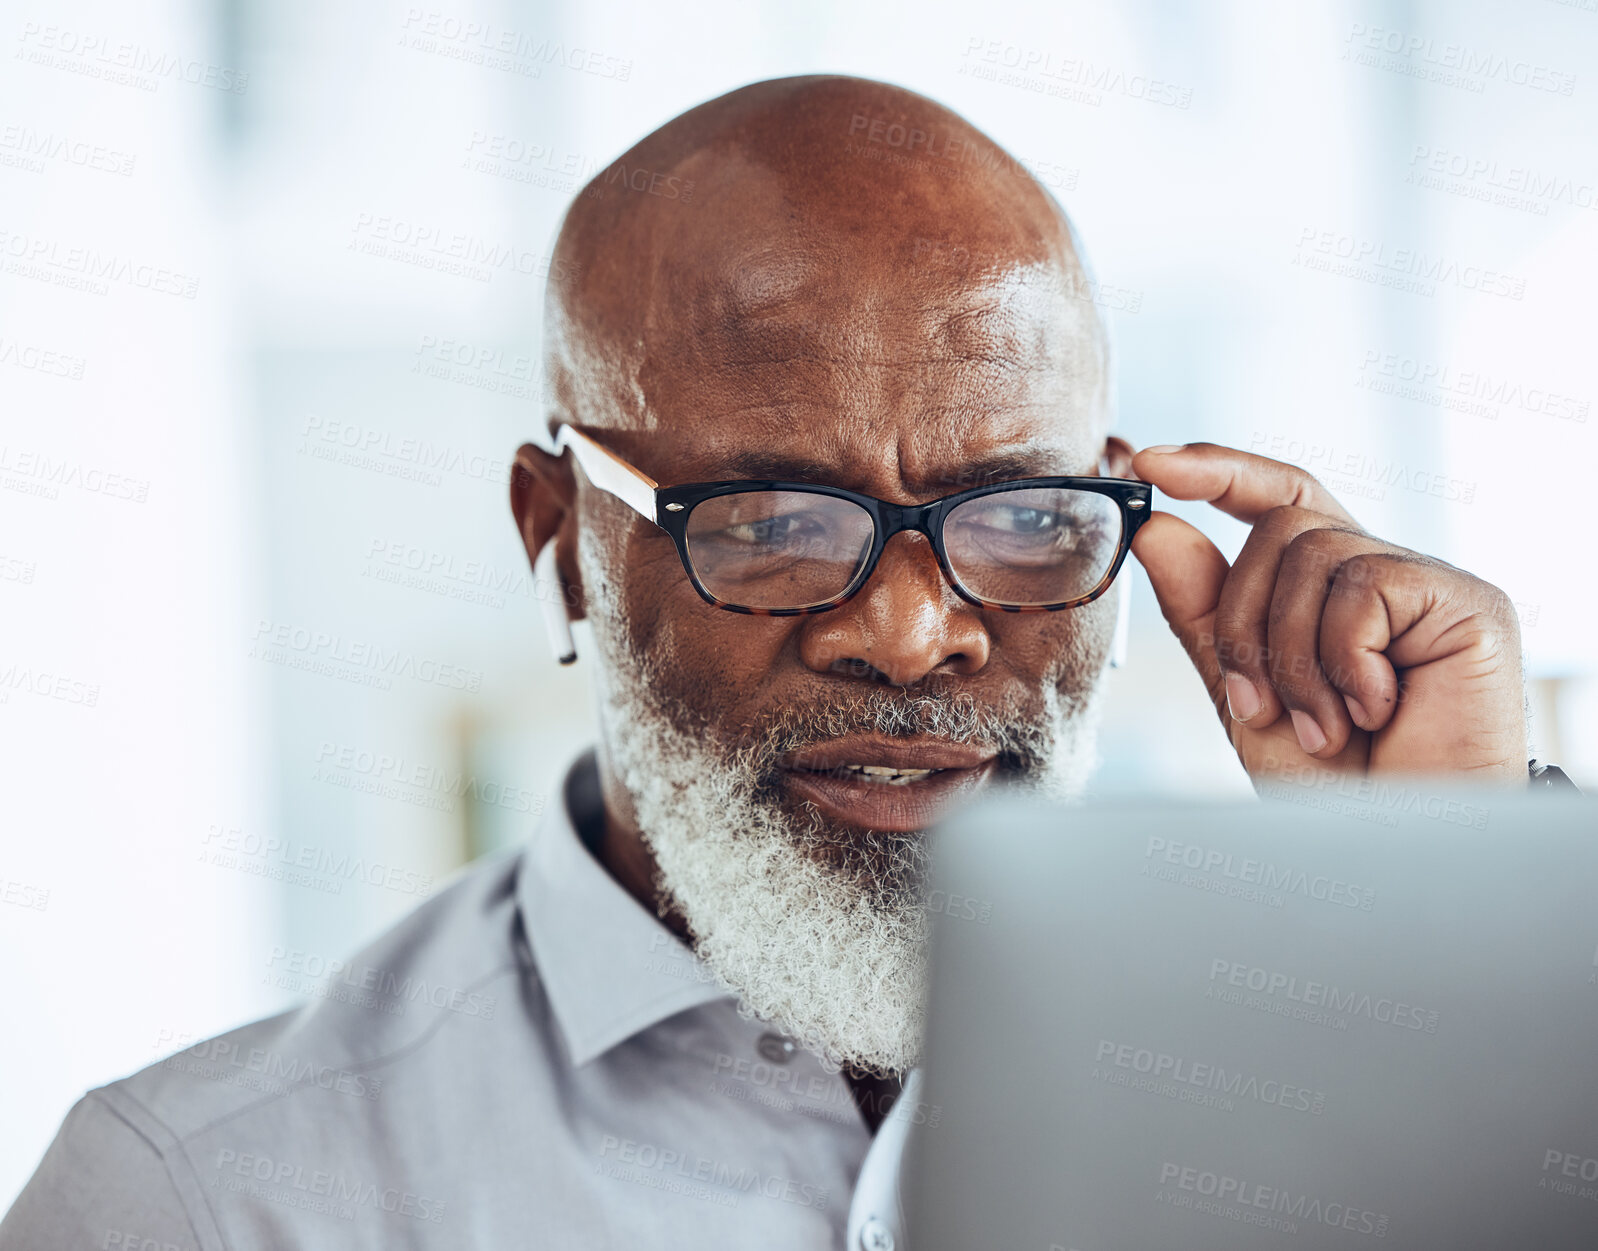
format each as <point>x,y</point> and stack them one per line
<point>889,784</point>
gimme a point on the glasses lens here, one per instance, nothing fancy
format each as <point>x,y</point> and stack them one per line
<point>1033,546</point>
<point>778,549</point>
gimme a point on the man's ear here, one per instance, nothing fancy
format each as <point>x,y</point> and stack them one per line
<point>543,499</point>
<point>1116,459</point>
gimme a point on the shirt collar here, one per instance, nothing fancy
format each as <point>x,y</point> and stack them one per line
<point>610,967</point>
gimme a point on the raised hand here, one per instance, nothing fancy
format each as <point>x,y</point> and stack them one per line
<point>1323,644</point>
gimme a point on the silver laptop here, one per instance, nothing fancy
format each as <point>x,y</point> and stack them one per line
<point>1336,1023</point>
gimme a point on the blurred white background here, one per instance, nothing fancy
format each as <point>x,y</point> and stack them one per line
<point>270,663</point>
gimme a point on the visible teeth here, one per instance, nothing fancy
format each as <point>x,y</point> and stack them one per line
<point>888,773</point>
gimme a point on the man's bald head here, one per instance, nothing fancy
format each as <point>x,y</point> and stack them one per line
<point>810,239</point>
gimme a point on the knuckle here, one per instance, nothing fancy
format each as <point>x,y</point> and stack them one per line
<point>1281,522</point>
<point>1492,601</point>
<point>1359,573</point>
<point>1308,553</point>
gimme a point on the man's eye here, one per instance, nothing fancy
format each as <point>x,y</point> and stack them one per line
<point>769,531</point>
<point>1023,521</point>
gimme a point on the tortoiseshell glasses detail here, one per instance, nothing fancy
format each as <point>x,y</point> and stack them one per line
<point>784,549</point>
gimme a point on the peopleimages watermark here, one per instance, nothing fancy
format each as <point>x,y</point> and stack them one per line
<point>1411,270</point>
<point>25,895</point>
<point>943,150</point>
<point>1272,1207</point>
<point>1472,392</point>
<point>1478,178</point>
<point>1569,1173</point>
<point>384,989</point>
<point>47,684</point>
<point>1359,473</point>
<point>408,457</point>
<point>461,253</point>
<point>1448,64</point>
<point>1228,977</point>
<point>120,62</point>
<point>532,162</point>
<point>35,359</point>
<point>1065,77</point>
<point>16,569</point>
<point>391,776</point>
<point>39,473</point>
<point>540,164</point>
<point>959,907</point>
<point>87,269</point>
<point>1254,872</point>
<point>781,1085</point>
<point>481,367</point>
<point>1371,794</point>
<point>332,654</point>
<point>130,1240</point>
<point>301,864</point>
<point>1074,286</point>
<point>330,1190</point>
<point>517,52</point>
<point>1197,1082</point>
<point>418,568</point>
<point>665,1165</point>
<point>262,1069</point>
<point>22,147</point>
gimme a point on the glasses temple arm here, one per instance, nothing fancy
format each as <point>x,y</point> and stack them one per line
<point>610,472</point>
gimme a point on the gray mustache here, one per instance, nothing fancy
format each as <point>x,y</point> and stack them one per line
<point>1021,742</point>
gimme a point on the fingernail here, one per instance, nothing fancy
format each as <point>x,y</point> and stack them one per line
<point>1242,698</point>
<point>1309,734</point>
<point>1165,449</point>
<point>1356,710</point>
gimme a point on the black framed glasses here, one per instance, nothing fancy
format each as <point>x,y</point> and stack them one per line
<point>783,549</point>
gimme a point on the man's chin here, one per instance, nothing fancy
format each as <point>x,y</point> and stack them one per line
<point>862,802</point>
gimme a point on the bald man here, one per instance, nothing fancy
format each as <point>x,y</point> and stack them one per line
<point>830,475</point>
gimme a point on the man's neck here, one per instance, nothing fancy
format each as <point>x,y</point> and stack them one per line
<point>627,858</point>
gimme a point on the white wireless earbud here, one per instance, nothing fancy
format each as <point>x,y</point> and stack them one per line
<point>552,601</point>
<point>1123,619</point>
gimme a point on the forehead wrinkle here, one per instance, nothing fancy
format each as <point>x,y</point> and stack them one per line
<point>1009,317</point>
<point>991,333</point>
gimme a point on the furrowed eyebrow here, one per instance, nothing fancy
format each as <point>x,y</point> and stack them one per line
<point>1002,468</point>
<point>776,466</point>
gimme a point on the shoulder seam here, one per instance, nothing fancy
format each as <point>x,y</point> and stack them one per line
<point>109,1099</point>
<point>362,1066</point>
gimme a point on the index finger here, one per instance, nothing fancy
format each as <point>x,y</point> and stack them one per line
<point>1240,484</point>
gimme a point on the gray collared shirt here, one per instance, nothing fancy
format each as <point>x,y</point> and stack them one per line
<point>529,1059</point>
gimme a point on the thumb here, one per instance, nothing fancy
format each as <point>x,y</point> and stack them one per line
<point>1187,572</point>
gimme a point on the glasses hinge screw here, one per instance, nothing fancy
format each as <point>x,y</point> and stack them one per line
<point>674,508</point>
<point>1129,504</point>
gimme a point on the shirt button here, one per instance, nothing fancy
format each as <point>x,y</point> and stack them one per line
<point>875,1236</point>
<point>776,1048</point>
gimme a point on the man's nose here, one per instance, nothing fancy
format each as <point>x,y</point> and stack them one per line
<point>905,623</point>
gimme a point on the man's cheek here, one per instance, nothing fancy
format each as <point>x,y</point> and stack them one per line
<point>1066,650</point>
<point>724,661</point>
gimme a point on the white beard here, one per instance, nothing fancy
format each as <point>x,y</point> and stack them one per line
<point>821,932</point>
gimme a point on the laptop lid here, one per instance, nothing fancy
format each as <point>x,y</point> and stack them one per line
<point>1372,1022</point>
